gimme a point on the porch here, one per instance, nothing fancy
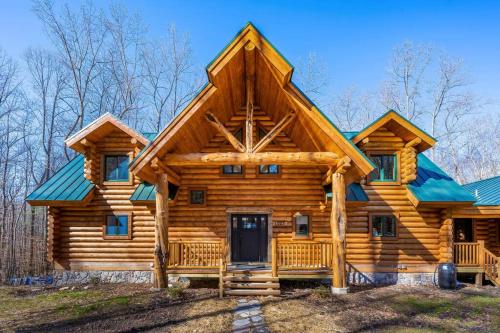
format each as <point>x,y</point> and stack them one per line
<point>474,257</point>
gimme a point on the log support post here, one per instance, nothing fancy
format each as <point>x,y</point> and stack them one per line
<point>274,257</point>
<point>161,231</point>
<point>446,237</point>
<point>338,221</point>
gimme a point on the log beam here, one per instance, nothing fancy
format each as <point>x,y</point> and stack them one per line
<point>250,92</point>
<point>292,158</point>
<point>341,167</point>
<point>273,133</point>
<point>217,124</point>
<point>338,221</point>
<point>413,142</point>
<point>161,231</point>
<point>159,167</point>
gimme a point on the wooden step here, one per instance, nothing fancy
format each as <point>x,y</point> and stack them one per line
<point>252,278</point>
<point>252,292</point>
<point>252,285</point>
<point>250,272</point>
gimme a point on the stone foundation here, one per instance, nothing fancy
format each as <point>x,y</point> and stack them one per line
<point>409,279</point>
<point>85,277</point>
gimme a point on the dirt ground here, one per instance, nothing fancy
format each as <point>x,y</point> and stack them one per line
<point>301,308</point>
<point>114,308</point>
<point>385,309</point>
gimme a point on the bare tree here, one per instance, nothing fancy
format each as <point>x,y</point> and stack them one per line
<point>170,80</point>
<point>404,88</point>
<point>79,39</point>
<point>351,110</point>
<point>312,77</point>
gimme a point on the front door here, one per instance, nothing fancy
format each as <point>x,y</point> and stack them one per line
<point>249,238</point>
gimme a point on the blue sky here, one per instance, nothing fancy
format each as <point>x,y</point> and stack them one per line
<point>354,38</point>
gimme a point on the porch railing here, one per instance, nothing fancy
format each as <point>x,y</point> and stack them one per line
<point>491,263</point>
<point>467,254</point>
<point>301,255</point>
<point>195,254</point>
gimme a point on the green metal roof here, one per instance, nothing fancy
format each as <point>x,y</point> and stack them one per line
<point>67,184</point>
<point>146,192</point>
<point>355,193</point>
<point>434,185</point>
<point>486,191</point>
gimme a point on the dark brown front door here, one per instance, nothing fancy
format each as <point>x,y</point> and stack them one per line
<point>248,238</point>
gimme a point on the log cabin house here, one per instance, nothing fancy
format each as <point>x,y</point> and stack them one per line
<point>252,184</point>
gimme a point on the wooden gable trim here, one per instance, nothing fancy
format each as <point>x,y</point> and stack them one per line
<point>423,137</point>
<point>79,141</point>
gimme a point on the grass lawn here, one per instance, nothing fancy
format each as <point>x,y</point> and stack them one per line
<point>135,308</point>
<point>113,308</point>
<point>386,309</point>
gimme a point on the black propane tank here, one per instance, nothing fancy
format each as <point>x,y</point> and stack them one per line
<point>447,276</point>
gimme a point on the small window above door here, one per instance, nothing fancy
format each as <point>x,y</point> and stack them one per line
<point>232,169</point>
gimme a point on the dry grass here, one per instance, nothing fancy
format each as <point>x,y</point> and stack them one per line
<point>387,309</point>
<point>113,308</point>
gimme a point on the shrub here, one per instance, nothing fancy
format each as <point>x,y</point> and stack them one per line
<point>95,280</point>
<point>322,291</point>
<point>175,291</point>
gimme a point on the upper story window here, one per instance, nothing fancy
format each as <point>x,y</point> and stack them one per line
<point>197,197</point>
<point>271,169</point>
<point>386,170</point>
<point>116,168</point>
<point>232,169</point>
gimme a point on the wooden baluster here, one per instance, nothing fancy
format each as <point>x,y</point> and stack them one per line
<point>274,253</point>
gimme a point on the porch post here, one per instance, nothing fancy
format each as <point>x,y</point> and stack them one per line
<point>338,222</point>
<point>161,231</point>
<point>446,237</point>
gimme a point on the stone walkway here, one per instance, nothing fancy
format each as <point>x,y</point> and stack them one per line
<point>248,317</point>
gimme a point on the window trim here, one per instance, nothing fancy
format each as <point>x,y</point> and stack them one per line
<point>117,237</point>
<point>204,189</point>
<point>265,175</point>
<point>383,238</point>
<point>294,226</point>
<point>103,156</point>
<point>241,174</point>
<point>397,166</point>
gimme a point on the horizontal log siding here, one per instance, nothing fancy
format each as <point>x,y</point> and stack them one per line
<point>78,231</point>
<point>486,229</point>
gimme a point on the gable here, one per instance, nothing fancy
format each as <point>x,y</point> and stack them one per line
<point>402,128</point>
<point>249,71</point>
<point>99,129</point>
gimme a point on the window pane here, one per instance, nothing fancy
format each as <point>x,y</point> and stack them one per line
<point>263,169</point>
<point>274,169</point>
<point>388,167</point>
<point>239,134</point>
<point>237,168</point>
<point>197,197</point>
<point>385,168</point>
<point>377,226</point>
<point>383,226</point>
<point>116,167</point>
<point>117,225</point>
<point>302,225</point>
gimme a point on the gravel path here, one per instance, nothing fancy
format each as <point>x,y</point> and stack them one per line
<point>248,317</point>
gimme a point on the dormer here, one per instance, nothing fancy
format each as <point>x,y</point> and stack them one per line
<point>393,143</point>
<point>108,146</point>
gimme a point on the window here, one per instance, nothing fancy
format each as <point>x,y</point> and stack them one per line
<point>271,169</point>
<point>117,226</point>
<point>301,225</point>
<point>232,169</point>
<point>383,226</point>
<point>239,134</point>
<point>197,197</point>
<point>116,168</point>
<point>386,168</point>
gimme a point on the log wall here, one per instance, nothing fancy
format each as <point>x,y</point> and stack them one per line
<point>78,241</point>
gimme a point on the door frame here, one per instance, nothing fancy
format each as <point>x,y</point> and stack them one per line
<point>262,211</point>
